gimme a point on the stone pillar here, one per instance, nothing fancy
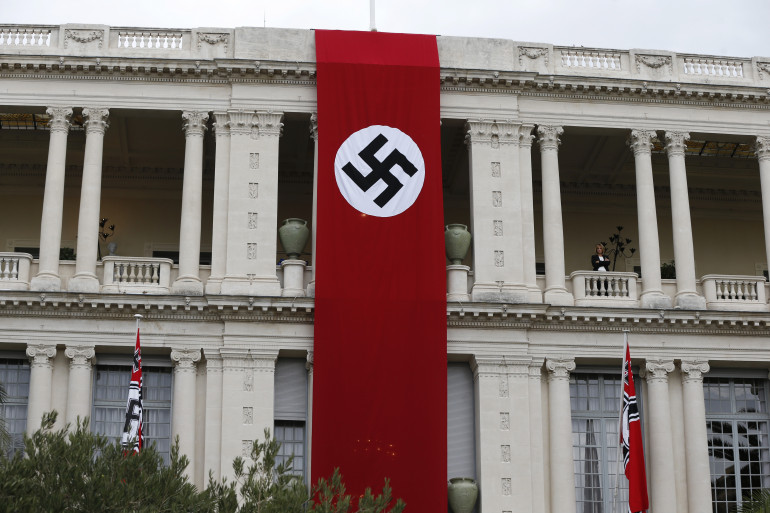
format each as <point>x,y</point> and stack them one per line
<point>79,384</point>
<point>183,415</point>
<point>553,231</point>
<point>762,150</point>
<point>252,222</point>
<point>85,279</point>
<point>40,374</point>
<point>221,193</point>
<point>684,254</point>
<point>309,430</point>
<point>696,440</point>
<point>189,282</point>
<point>536,429</point>
<point>314,136</point>
<point>493,152</point>
<point>213,444</point>
<point>529,271</point>
<point>47,278</point>
<point>660,449</point>
<point>560,416</point>
<point>652,295</point>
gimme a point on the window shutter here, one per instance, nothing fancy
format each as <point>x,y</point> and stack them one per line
<point>290,389</point>
<point>461,437</point>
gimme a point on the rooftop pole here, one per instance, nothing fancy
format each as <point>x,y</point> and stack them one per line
<point>372,26</point>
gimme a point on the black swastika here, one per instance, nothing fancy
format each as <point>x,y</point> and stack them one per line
<point>380,170</point>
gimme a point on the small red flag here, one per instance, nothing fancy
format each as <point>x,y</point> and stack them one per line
<point>631,443</point>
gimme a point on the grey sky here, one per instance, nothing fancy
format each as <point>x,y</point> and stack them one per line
<point>740,28</point>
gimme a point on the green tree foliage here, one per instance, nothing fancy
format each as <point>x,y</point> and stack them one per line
<point>758,502</point>
<point>5,436</point>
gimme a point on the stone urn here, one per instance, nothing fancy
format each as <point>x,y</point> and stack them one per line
<point>457,240</point>
<point>293,235</point>
<point>463,492</point>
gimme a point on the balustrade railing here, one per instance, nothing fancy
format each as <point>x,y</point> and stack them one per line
<point>136,275</point>
<point>596,59</point>
<point>14,271</point>
<point>591,288</point>
<point>150,40</point>
<point>712,67</point>
<point>724,292</point>
<point>25,36</point>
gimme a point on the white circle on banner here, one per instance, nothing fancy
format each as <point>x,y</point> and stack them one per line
<point>379,171</point>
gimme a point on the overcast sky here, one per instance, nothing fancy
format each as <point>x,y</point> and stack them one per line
<point>739,28</point>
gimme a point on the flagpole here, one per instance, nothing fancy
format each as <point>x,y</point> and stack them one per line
<point>138,318</point>
<point>372,26</point>
<point>620,423</point>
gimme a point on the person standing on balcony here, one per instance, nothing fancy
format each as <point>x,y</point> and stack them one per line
<point>599,261</point>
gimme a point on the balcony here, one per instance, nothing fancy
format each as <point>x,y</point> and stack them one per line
<point>15,271</point>
<point>614,289</point>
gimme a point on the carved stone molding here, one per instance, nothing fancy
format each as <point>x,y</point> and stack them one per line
<point>478,131</point>
<point>559,368</point>
<point>60,119</point>
<point>83,37</point>
<point>536,371</point>
<point>676,143</point>
<point>221,124</point>
<point>269,123</point>
<point>492,132</point>
<point>762,148</point>
<point>80,355</point>
<point>309,361</point>
<point>487,367</point>
<point>548,137</point>
<point>657,370</point>
<point>213,38</point>
<point>693,370</point>
<point>640,141</point>
<point>532,53</point>
<point>314,126</point>
<point>525,136</point>
<point>40,355</point>
<point>185,359</point>
<point>241,122</point>
<point>762,68</point>
<point>194,123</point>
<point>653,61</point>
<point>213,362</point>
<point>95,119</point>
<point>264,361</point>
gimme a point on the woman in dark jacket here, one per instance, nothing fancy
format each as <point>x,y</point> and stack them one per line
<point>599,261</point>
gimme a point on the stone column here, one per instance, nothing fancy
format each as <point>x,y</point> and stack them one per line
<point>762,150</point>
<point>252,222</point>
<point>40,374</point>
<point>314,136</point>
<point>189,282</point>
<point>536,427</point>
<point>309,430</point>
<point>183,415</point>
<point>79,384</point>
<point>221,193</point>
<point>696,440</point>
<point>493,152</point>
<point>47,278</point>
<point>684,254</point>
<point>660,449</point>
<point>553,231</point>
<point>652,295</point>
<point>560,416</point>
<point>213,445</point>
<point>528,214</point>
<point>85,279</point>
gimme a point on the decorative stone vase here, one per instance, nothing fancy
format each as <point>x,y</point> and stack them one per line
<point>463,492</point>
<point>457,240</point>
<point>293,235</point>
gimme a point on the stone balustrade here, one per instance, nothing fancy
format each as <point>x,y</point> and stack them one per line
<point>159,40</point>
<point>724,292</point>
<point>592,59</point>
<point>712,67</point>
<point>136,275</point>
<point>13,36</point>
<point>592,288</point>
<point>14,271</point>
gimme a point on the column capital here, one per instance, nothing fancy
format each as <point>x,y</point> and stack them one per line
<point>80,355</point>
<point>264,361</point>
<point>309,361</point>
<point>40,354</point>
<point>269,123</point>
<point>536,370</point>
<point>640,141</point>
<point>194,123</point>
<point>95,119</point>
<point>657,370</point>
<point>676,143</point>
<point>525,135</point>
<point>241,122</point>
<point>221,124</point>
<point>762,148</point>
<point>559,368</point>
<point>491,131</point>
<point>487,366</point>
<point>693,370</point>
<point>60,119</point>
<point>314,126</point>
<point>549,137</point>
<point>185,359</point>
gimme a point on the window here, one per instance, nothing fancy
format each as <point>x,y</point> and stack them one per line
<point>111,392</point>
<point>291,434</point>
<point>461,436</point>
<point>737,425</point>
<point>595,400</point>
<point>290,401</point>
<point>14,375</point>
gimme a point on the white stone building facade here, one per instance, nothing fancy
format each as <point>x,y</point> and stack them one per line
<point>195,144</point>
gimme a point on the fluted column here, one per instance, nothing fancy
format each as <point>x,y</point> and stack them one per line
<point>696,440</point>
<point>684,254</point>
<point>661,447</point>
<point>183,416</point>
<point>40,374</point>
<point>252,222</point>
<point>79,383</point>
<point>652,295</point>
<point>213,445</point>
<point>314,136</point>
<point>762,150</point>
<point>221,198</point>
<point>529,271</point>
<point>553,231</point>
<point>189,282</point>
<point>47,277</point>
<point>560,417</point>
<point>85,280</point>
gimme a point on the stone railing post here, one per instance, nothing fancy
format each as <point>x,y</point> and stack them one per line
<point>40,375</point>
<point>560,415</point>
